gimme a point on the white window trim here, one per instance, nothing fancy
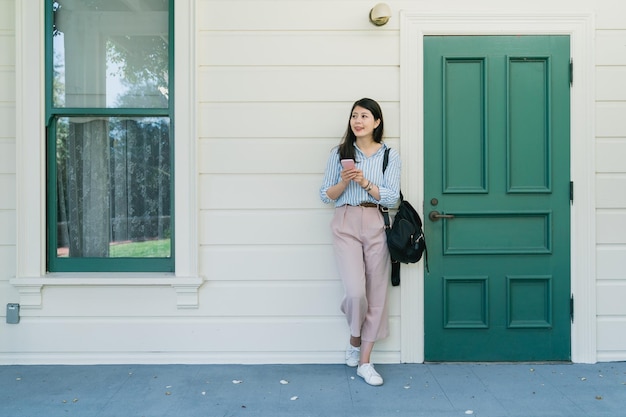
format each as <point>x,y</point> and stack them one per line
<point>414,26</point>
<point>31,276</point>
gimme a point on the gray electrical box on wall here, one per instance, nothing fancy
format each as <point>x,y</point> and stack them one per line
<point>13,313</point>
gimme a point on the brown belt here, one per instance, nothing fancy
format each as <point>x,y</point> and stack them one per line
<point>369,205</point>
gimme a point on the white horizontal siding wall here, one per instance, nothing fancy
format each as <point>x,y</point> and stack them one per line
<point>275,86</point>
<point>274,81</point>
<point>611,182</point>
<point>7,155</point>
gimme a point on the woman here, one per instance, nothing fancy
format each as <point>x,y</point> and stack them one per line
<point>358,228</point>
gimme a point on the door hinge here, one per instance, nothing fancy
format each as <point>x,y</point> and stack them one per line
<point>571,72</point>
<point>571,192</point>
<point>571,308</point>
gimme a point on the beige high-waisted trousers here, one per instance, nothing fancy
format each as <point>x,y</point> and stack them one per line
<point>364,266</point>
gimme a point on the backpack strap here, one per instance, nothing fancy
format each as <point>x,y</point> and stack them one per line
<point>386,159</point>
<point>395,265</point>
<point>385,210</point>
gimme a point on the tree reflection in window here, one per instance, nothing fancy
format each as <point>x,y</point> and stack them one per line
<point>113,171</point>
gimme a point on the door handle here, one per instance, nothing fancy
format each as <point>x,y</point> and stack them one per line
<point>435,215</point>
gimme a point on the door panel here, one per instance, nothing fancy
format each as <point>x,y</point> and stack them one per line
<point>496,151</point>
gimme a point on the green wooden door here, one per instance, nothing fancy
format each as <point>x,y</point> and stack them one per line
<point>496,152</point>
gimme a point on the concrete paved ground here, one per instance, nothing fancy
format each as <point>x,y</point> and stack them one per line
<point>432,390</point>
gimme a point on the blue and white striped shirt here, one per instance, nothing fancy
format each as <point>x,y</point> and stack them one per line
<point>372,167</point>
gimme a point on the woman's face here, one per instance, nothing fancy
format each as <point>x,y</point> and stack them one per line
<point>362,122</point>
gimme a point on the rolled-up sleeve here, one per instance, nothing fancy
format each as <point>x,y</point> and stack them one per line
<point>390,187</point>
<point>332,175</point>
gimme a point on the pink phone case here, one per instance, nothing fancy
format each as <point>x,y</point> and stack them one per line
<point>347,163</point>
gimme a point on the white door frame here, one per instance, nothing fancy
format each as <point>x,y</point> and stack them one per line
<point>579,26</point>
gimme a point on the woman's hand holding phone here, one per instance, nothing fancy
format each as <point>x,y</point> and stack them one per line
<point>350,172</point>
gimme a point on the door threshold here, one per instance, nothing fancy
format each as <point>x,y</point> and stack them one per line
<point>500,363</point>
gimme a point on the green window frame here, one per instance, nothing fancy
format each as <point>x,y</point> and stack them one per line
<point>110,164</point>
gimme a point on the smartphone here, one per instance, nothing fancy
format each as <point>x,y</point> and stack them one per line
<point>347,163</point>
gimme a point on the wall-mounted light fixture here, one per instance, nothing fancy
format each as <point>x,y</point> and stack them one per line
<point>380,14</point>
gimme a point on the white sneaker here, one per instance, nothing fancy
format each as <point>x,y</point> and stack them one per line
<point>369,374</point>
<point>353,354</point>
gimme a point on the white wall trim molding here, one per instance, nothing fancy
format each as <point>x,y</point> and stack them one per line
<point>30,138</point>
<point>414,26</point>
<point>31,276</point>
<point>30,289</point>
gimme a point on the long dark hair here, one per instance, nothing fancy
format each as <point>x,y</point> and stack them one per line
<point>346,147</point>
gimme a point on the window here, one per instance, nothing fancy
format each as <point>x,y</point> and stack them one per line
<point>109,118</point>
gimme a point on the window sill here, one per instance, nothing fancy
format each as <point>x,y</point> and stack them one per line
<point>31,289</point>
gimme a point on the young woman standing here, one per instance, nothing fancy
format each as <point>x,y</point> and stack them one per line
<point>358,228</point>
